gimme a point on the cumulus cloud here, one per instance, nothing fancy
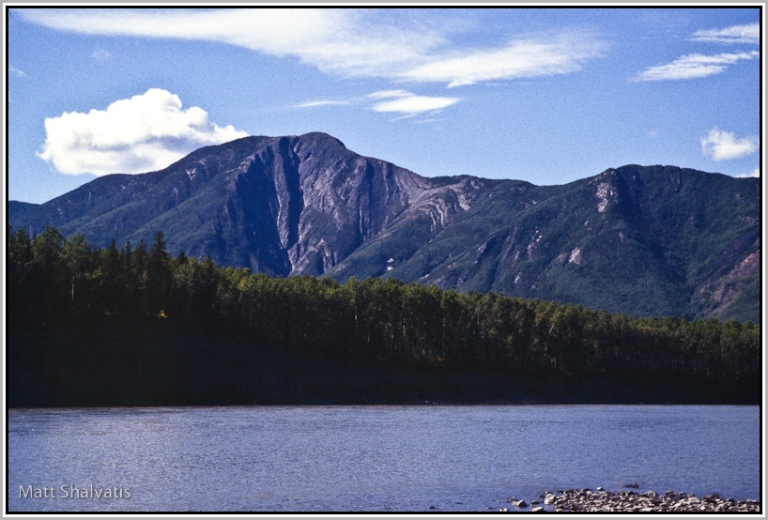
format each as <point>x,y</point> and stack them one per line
<point>749,33</point>
<point>144,133</point>
<point>407,103</point>
<point>350,42</point>
<point>753,173</point>
<point>694,66</point>
<point>720,145</point>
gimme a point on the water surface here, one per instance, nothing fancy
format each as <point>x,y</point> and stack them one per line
<point>373,458</point>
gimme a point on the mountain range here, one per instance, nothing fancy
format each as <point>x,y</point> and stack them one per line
<point>642,240</point>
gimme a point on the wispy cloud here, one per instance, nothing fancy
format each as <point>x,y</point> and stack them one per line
<point>384,94</point>
<point>144,133</point>
<point>753,173</point>
<point>720,145</point>
<point>16,72</point>
<point>101,55</point>
<point>524,58</point>
<point>348,42</point>
<point>407,103</point>
<point>749,33</point>
<point>694,66</point>
<point>320,103</point>
<point>399,101</point>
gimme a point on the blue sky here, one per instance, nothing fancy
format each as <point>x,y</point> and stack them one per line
<point>547,95</point>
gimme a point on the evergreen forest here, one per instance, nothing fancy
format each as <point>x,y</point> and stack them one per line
<point>132,325</point>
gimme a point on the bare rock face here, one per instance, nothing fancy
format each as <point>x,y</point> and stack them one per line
<point>656,240</point>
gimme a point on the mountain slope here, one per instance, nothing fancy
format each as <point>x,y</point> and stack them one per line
<point>656,240</point>
<point>640,240</point>
<point>17,209</point>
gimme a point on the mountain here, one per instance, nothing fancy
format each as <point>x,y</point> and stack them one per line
<point>655,240</point>
<point>18,209</point>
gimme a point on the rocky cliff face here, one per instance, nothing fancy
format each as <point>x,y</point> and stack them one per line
<point>641,240</point>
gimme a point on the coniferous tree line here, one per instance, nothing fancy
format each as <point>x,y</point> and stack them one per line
<point>52,279</point>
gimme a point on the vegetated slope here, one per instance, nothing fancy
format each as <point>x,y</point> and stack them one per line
<point>640,240</point>
<point>18,209</point>
<point>656,240</point>
<point>136,327</point>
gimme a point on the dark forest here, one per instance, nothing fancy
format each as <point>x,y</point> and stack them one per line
<point>134,326</point>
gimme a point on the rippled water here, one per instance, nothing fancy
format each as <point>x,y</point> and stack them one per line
<point>372,458</point>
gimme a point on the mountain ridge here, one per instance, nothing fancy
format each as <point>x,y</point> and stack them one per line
<point>644,240</point>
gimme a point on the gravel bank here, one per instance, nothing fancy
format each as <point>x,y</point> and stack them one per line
<point>586,500</point>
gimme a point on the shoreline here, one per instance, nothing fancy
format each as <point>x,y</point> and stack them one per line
<point>628,501</point>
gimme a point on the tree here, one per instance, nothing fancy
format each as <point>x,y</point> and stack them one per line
<point>159,276</point>
<point>46,248</point>
<point>76,255</point>
<point>49,272</point>
<point>19,279</point>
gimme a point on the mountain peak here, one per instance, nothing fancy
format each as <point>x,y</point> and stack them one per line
<point>636,239</point>
<point>321,138</point>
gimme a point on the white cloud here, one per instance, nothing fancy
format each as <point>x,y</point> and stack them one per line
<point>384,94</point>
<point>333,40</point>
<point>101,55</point>
<point>144,133</point>
<point>753,173</point>
<point>525,58</point>
<point>749,33</point>
<point>16,72</point>
<point>720,145</point>
<point>320,103</point>
<point>408,103</point>
<point>349,42</point>
<point>694,66</point>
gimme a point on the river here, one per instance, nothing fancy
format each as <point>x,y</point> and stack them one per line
<point>370,458</point>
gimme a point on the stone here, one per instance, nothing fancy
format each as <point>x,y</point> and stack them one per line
<point>537,510</point>
<point>572,500</point>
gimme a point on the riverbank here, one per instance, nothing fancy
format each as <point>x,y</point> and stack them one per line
<point>628,501</point>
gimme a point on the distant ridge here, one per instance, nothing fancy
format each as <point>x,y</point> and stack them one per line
<point>643,240</point>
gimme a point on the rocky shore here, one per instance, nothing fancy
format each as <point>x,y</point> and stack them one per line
<point>588,501</point>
